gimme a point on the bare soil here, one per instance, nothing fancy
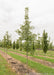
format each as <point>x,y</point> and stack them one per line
<point>17,66</point>
<point>47,63</point>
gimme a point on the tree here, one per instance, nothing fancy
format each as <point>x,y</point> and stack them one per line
<point>6,40</point>
<point>38,41</point>
<point>0,43</point>
<point>32,43</point>
<point>14,45</point>
<point>25,33</point>
<point>10,43</point>
<point>17,44</point>
<point>51,45</point>
<point>44,42</point>
<point>20,43</point>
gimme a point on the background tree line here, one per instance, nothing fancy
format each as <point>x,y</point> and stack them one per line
<point>19,44</point>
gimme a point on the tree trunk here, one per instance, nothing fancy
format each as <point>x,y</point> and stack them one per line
<point>27,60</point>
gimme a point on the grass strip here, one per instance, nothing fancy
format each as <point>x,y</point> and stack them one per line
<point>4,69</point>
<point>44,58</point>
<point>38,57</point>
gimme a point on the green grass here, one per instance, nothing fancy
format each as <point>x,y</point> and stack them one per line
<point>37,66</point>
<point>37,52</point>
<point>40,52</point>
<point>44,58</point>
<point>39,57</point>
<point>4,69</point>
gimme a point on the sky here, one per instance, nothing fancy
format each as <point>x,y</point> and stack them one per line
<point>41,15</point>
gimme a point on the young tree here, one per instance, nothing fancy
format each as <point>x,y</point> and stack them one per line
<point>32,43</point>
<point>20,43</point>
<point>25,33</point>
<point>38,41</point>
<point>17,44</point>
<point>6,40</point>
<point>44,42</point>
<point>51,45</point>
<point>10,43</point>
<point>0,43</point>
<point>14,45</point>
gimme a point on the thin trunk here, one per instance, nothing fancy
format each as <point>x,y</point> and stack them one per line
<point>27,61</point>
<point>27,57</point>
<point>4,49</point>
<point>45,55</point>
<point>6,52</point>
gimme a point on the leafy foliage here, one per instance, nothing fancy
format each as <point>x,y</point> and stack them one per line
<point>44,41</point>
<point>17,44</point>
<point>14,45</point>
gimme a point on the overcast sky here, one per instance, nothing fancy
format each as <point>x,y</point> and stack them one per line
<point>41,13</point>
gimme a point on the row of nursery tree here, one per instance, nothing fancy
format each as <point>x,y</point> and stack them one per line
<point>27,41</point>
<point>19,44</point>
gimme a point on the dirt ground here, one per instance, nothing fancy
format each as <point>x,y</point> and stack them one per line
<point>17,66</point>
<point>47,63</point>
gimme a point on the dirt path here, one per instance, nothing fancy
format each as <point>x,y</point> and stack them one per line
<point>47,63</point>
<point>17,66</point>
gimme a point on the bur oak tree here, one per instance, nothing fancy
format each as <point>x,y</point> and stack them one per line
<point>26,33</point>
